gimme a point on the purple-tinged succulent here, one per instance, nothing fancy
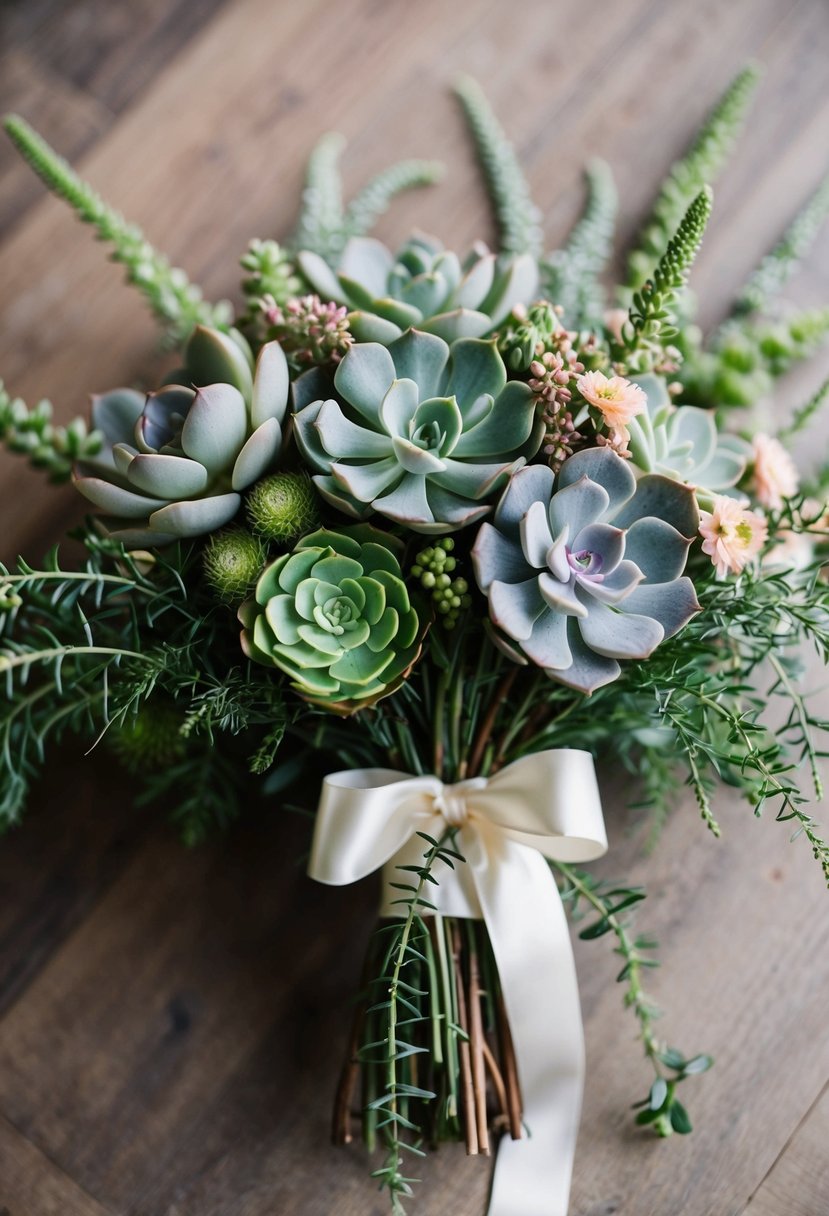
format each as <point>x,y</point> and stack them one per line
<point>585,571</point>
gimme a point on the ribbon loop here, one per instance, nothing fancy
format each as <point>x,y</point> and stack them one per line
<point>542,806</point>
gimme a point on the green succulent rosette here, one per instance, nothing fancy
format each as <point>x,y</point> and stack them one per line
<point>422,285</point>
<point>588,571</point>
<point>683,442</point>
<point>420,432</point>
<point>175,462</point>
<point>335,616</point>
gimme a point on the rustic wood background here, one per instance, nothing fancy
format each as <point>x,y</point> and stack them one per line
<point>170,1021</point>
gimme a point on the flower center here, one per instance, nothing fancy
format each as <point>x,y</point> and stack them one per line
<point>429,436</point>
<point>584,561</point>
<point>338,615</point>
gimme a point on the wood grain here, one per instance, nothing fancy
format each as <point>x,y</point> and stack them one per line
<point>171,1022</point>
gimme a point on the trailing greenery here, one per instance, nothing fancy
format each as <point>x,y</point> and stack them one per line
<point>175,302</point>
<point>699,167</point>
<point>583,892</point>
<point>324,225</point>
<point>570,277</point>
<point>518,218</point>
<point>31,433</point>
<point>651,323</point>
<point>806,413</point>
<point>779,265</point>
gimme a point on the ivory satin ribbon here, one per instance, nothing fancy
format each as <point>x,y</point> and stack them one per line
<point>542,806</point>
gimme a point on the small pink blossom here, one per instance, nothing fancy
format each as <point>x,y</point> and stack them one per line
<point>731,535</point>
<point>616,398</point>
<point>775,473</point>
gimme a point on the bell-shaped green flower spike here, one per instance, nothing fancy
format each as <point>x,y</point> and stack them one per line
<point>335,616</point>
<point>174,463</point>
<point>423,285</point>
<point>417,433</point>
<point>582,577</point>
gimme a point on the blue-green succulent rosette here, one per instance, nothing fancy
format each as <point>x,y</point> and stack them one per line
<point>423,286</point>
<point>175,462</point>
<point>420,432</point>
<point>336,617</point>
<point>587,570</point>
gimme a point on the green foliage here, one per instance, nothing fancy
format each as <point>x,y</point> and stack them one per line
<point>571,276</point>
<point>175,302</point>
<point>698,168</point>
<point>401,1005</point>
<point>583,892</point>
<point>433,568</point>
<point>270,279</point>
<point>31,433</point>
<point>527,334</point>
<point>779,265</point>
<point>519,220</point>
<point>324,226</point>
<point>652,318</point>
<point>804,414</point>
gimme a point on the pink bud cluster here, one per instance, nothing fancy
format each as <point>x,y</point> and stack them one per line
<point>311,331</point>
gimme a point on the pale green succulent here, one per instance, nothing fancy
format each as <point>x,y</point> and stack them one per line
<point>415,432</point>
<point>683,442</point>
<point>175,461</point>
<point>423,285</point>
<point>582,577</point>
<point>335,616</point>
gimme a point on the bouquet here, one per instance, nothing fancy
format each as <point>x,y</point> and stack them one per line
<point>447,529</point>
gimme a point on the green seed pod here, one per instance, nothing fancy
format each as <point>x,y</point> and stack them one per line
<point>233,561</point>
<point>283,507</point>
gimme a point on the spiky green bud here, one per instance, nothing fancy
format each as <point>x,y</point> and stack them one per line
<point>283,507</point>
<point>232,562</point>
<point>149,741</point>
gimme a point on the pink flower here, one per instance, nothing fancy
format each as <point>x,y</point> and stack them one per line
<point>616,398</point>
<point>775,473</point>
<point>731,535</point>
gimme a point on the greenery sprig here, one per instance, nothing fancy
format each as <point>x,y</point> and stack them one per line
<point>570,276</point>
<point>698,168</point>
<point>175,302</point>
<point>32,433</point>
<point>519,219</point>
<point>580,890</point>
<point>651,320</point>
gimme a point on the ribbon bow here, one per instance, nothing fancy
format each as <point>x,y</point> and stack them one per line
<point>542,806</point>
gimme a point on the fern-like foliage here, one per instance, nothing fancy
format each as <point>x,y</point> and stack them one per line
<point>32,433</point>
<point>651,320</point>
<point>175,302</point>
<point>779,265</point>
<point>699,167</point>
<point>570,277</point>
<point>376,196</point>
<point>518,218</point>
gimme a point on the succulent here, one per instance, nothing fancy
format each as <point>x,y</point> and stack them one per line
<point>232,562</point>
<point>683,442</point>
<point>175,462</point>
<point>420,435</point>
<point>591,573</point>
<point>423,285</point>
<point>335,616</point>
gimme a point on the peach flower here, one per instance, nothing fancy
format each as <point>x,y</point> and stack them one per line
<point>731,535</point>
<point>775,474</point>
<point>616,398</point>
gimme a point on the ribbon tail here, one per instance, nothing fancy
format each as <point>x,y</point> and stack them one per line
<point>530,938</point>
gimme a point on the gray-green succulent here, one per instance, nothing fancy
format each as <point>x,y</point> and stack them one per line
<point>423,285</point>
<point>175,462</point>
<point>683,442</point>
<point>588,571</point>
<point>421,434</point>
<point>335,615</point>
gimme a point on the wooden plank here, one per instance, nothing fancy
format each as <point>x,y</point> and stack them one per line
<point>798,1183</point>
<point>31,1185</point>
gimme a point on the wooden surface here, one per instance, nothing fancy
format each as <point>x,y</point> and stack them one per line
<point>170,1021</point>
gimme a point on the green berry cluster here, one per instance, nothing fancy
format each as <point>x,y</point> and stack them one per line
<point>433,568</point>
